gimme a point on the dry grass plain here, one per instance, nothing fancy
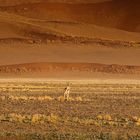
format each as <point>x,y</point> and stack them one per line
<point>100,110</point>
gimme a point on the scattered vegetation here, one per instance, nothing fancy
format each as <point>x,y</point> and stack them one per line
<point>97,121</point>
<point>39,98</point>
<point>60,135</point>
<point>35,118</point>
<point>93,111</point>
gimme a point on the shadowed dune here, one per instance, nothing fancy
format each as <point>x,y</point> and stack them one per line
<point>19,27</point>
<point>118,14</point>
<point>59,21</point>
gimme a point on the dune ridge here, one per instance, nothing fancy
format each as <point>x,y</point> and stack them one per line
<point>72,67</point>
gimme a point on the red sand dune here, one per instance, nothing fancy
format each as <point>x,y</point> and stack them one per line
<point>121,14</point>
<point>72,67</point>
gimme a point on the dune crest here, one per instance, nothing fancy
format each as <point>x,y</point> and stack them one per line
<point>72,67</point>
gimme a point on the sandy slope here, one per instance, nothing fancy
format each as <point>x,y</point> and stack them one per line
<point>120,14</point>
<point>17,53</point>
<point>22,26</point>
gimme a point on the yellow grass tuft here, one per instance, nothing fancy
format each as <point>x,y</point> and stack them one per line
<point>78,99</point>
<point>52,118</point>
<point>88,121</point>
<point>48,98</point>
<point>37,118</point>
<point>61,99</point>
<point>107,117</point>
<point>16,117</point>
<point>71,99</point>
<point>99,117</point>
<point>96,124</point>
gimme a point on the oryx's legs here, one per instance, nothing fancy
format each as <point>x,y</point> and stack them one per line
<point>66,95</point>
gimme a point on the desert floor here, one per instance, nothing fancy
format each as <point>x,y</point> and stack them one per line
<point>97,109</point>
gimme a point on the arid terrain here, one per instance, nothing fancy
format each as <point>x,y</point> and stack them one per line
<point>99,109</point>
<point>92,44</point>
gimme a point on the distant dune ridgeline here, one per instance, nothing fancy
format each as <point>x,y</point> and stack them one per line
<point>69,67</point>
